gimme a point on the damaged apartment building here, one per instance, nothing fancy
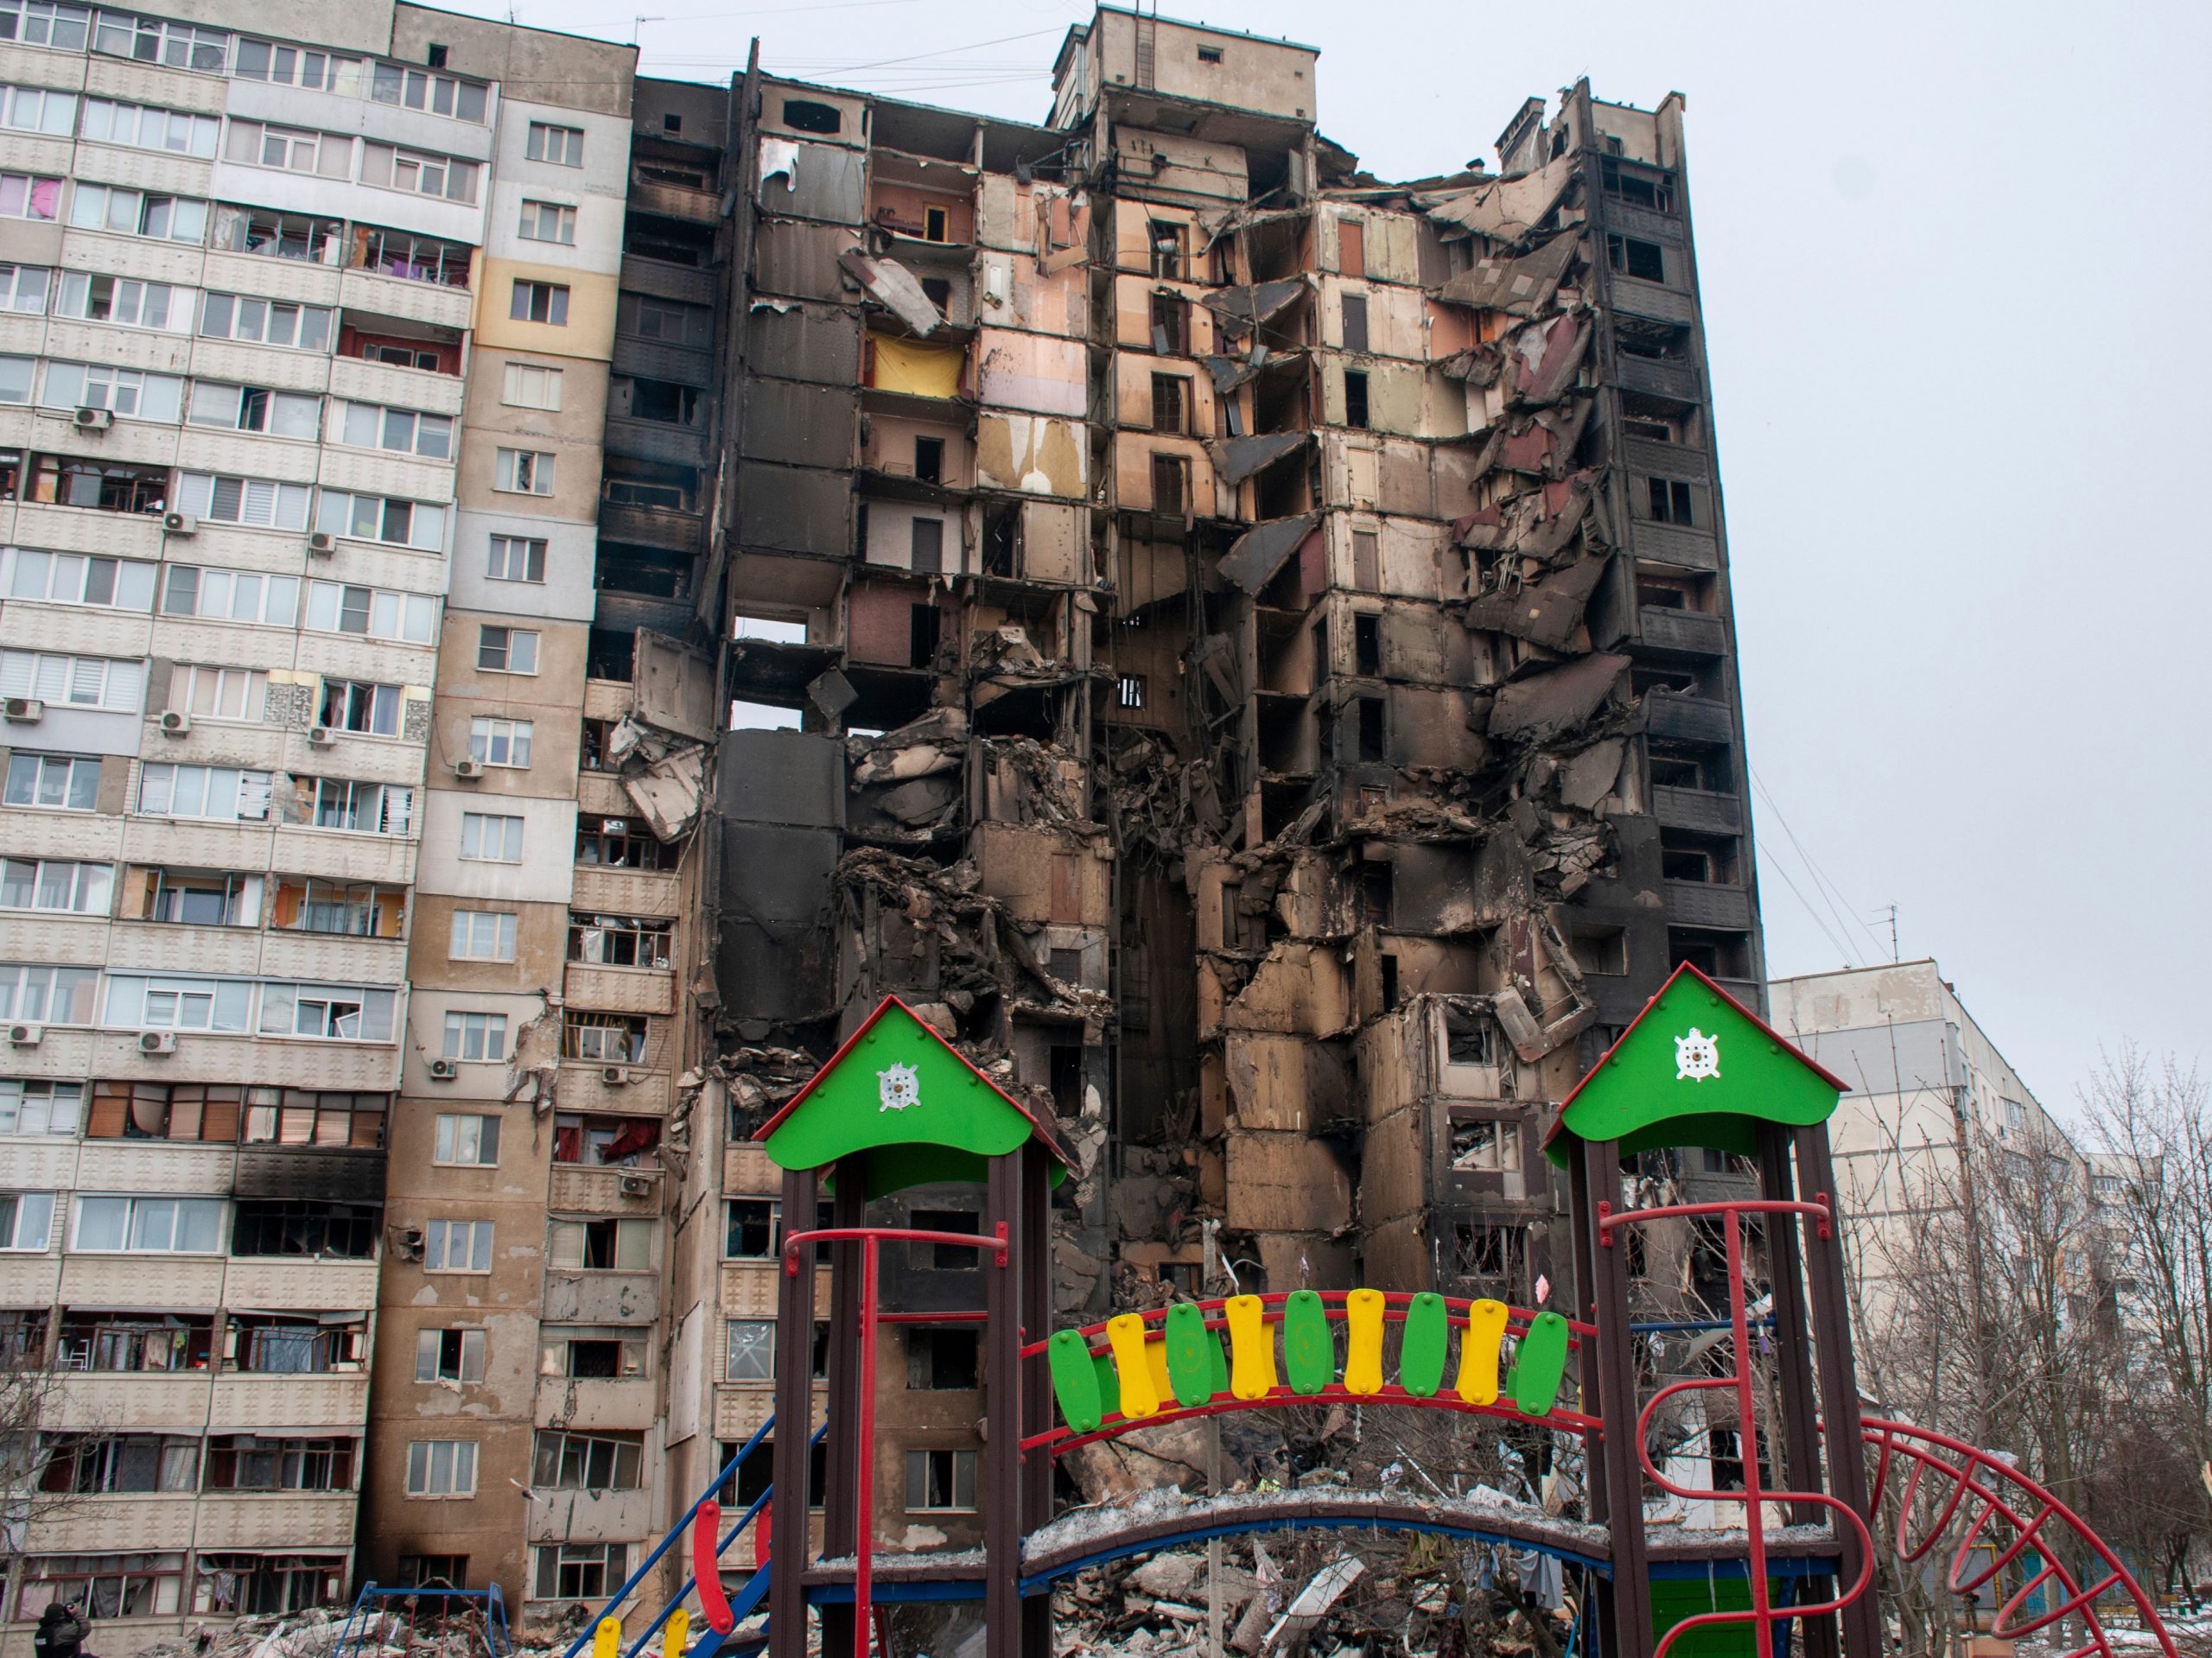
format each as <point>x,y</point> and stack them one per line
<point>1253,650</point>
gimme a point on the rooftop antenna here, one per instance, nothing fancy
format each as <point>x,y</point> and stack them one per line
<point>637,24</point>
<point>1893,934</point>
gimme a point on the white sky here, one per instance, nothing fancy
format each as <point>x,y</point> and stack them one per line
<point>1954,260</point>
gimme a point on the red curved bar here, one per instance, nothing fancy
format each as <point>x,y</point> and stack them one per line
<point>706,1568</point>
<point>796,1242</point>
<point>1394,1303</point>
<point>1060,1441</point>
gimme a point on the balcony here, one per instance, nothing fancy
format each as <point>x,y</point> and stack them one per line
<point>1659,376</point>
<point>339,1399</point>
<point>276,1520</point>
<point>1707,812</point>
<point>621,989</point>
<point>584,1403</point>
<point>674,201</point>
<point>580,1189</point>
<point>1674,544</point>
<point>1689,718</point>
<point>651,526</point>
<point>1688,632</point>
<point>1709,903</point>
<point>657,439</point>
<point>572,1516</point>
<point>602,1298</point>
<point>690,284</point>
<point>653,359</point>
<point>1645,454</point>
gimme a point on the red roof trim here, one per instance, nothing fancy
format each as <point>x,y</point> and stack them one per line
<point>1047,1133</point>
<point>1799,1054</point>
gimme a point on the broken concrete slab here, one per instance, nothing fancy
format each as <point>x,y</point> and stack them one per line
<point>1521,287</point>
<point>1255,556</point>
<point>1548,705</point>
<point>1546,612</point>
<point>894,288</point>
<point>1240,457</point>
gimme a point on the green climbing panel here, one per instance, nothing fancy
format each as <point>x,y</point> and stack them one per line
<point>1110,1384</point>
<point>1309,1352</point>
<point>1421,1349</point>
<point>1190,1366</point>
<point>1539,1363</point>
<point>1075,1381</point>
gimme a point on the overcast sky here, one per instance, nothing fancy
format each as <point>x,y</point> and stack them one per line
<point>1955,260</point>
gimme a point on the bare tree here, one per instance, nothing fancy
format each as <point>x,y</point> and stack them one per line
<point>31,1409</point>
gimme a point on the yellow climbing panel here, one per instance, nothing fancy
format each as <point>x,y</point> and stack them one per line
<point>1363,1342</point>
<point>1133,1368</point>
<point>1251,1348</point>
<point>1478,1346</point>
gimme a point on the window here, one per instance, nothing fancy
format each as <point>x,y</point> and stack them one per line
<point>138,1002</point>
<point>150,1226</point>
<point>522,472</point>
<point>489,838</point>
<point>410,257</point>
<point>1170,324</point>
<point>361,808</point>
<point>413,89</point>
<point>540,302</point>
<point>1486,1144</point>
<point>137,1343</point>
<point>255,503</point>
<point>751,1231</point>
<point>1169,473</point>
<point>1602,952</point>
<point>96,1464</point>
<point>751,1351</point>
<point>373,612</point>
<point>209,693</point>
<point>403,431</point>
<point>612,1246</point>
<point>507,649</point>
<point>26,1219</point>
<point>941,1360</point>
<point>399,354</point>
<point>1355,312</point>
<point>609,1355</point>
<point>249,1461</point>
<point>1128,690</point>
<point>265,322</point>
<point>336,1013</point>
<point>586,1462</point>
<point>457,1247</point>
<point>15,379</point>
<point>929,457</point>
<point>25,195</point>
<point>603,1039</point>
<point>622,843</point>
<point>529,385</point>
<point>60,480</point>
<point>52,995</point>
<point>357,705</point>
<point>418,173</point>
<point>231,595</point>
<point>100,1585</point>
<point>940,1481</point>
<point>619,941</point>
<point>268,234</point>
<point>290,149</point>
<point>442,1468</point>
<point>2016,1114</point>
<point>433,1571</point>
<point>193,898</point>
<point>1643,189</point>
<point>516,558</point>
<point>144,127</point>
<point>53,781</point>
<point>1354,398</point>
<point>228,1584</point>
<point>563,146</point>
<point>76,682</point>
<point>47,22</point>
<point>467,1141</point>
<point>76,579</point>
<point>667,320</point>
<point>1669,499</point>
<point>450,1355</point>
<point>374,517</point>
<point>548,221</point>
<point>24,288</point>
<point>56,886</point>
<point>39,1107</point>
<point>287,66</point>
<point>475,1035</point>
<point>500,743</point>
<point>1645,260</point>
<point>579,1570</point>
<point>128,393</point>
<point>483,936</point>
<point>1209,55</point>
<point>152,40</point>
<point>1166,240</point>
<point>603,1142</point>
<point>925,551</point>
<point>1170,403</point>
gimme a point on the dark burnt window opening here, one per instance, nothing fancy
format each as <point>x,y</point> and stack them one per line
<point>1169,402</point>
<point>1367,643</point>
<point>1670,500</point>
<point>1374,739</point>
<point>1687,863</point>
<point>1376,889</point>
<point>1355,322</point>
<point>650,572</point>
<point>937,224</point>
<point>804,115</point>
<point>665,400</point>
<point>1067,1078</point>
<point>941,1360</point>
<point>926,548</point>
<point>1355,396</point>
<point>1602,950</point>
<point>924,628</point>
<point>611,654</point>
<point>929,460</point>
<point>945,1257</point>
<point>632,482</point>
<point>1389,967</point>
<point>1639,188</point>
<point>1645,260</point>
<point>666,243</point>
<point>1466,1038</point>
<point>1496,1256</point>
<point>1170,473</point>
<point>1001,538</point>
<point>938,288</point>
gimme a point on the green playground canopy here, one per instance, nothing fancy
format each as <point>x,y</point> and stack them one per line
<point>900,1093</point>
<point>1695,1068</point>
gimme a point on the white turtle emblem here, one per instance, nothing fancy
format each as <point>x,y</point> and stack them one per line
<point>898,1087</point>
<point>1697,1056</point>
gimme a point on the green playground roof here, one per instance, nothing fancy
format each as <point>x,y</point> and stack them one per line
<point>897,1086</point>
<point>1695,1068</point>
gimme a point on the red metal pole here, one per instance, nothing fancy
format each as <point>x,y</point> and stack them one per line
<point>864,1540</point>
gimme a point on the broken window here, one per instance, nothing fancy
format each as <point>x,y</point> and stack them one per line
<point>1373,743</point>
<point>804,115</point>
<point>1355,322</point>
<point>1497,1256</point>
<point>1486,1145</point>
<point>663,400</point>
<point>1686,863</point>
<point>611,654</point>
<point>1067,1078</point>
<point>1366,560</point>
<point>1166,238</point>
<point>1638,188</point>
<point>1605,951</point>
<point>944,1257</point>
<point>1169,403</point>
<point>1375,889</point>
<point>750,1231</point>
<point>1466,1038</point>
<point>925,550</point>
<point>1128,691</point>
<point>929,460</point>
<point>938,291</point>
<point>937,224</point>
<point>1351,249</point>
<point>924,629</point>
<point>941,1360</point>
<point>603,1039</point>
<point>604,1246</point>
<point>1679,771</point>
<point>1169,474</point>
<point>1355,396</point>
<point>623,843</point>
<point>1389,965</point>
<point>1367,643</point>
<point>1670,500</point>
<point>940,1482</point>
<point>1645,260</point>
<point>1170,315</point>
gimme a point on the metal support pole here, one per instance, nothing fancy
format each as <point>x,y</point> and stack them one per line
<point>1002,1405</point>
<point>788,1460</point>
<point>1631,1635</point>
<point>1792,1358</point>
<point>864,1494</point>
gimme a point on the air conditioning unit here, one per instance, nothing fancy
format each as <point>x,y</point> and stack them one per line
<point>635,1186</point>
<point>322,544</point>
<point>22,710</point>
<point>175,722</point>
<point>180,523</point>
<point>614,1075</point>
<point>25,1036</point>
<point>157,1041</point>
<point>468,768</point>
<point>93,420</point>
<point>443,1070</point>
<point>321,736</point>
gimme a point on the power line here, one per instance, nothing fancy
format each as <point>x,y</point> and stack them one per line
<point>1828,890</point>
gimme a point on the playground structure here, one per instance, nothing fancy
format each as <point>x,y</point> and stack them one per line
<point>896,1107</point>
